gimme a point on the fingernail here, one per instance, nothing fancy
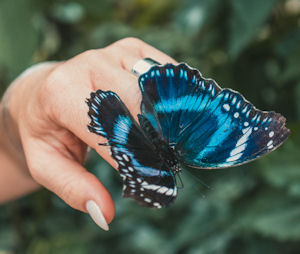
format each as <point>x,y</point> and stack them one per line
<point>96,214</point>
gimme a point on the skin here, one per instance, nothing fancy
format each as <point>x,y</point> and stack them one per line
<point>48,116</point>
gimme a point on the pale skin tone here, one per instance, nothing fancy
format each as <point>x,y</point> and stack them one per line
<point>49,118</point>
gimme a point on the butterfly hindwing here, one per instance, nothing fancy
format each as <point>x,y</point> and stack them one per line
<point>144,179</point>
<point>210,127</point>
<point>147,185</point>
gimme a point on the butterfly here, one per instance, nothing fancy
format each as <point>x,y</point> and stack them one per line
<point>185,119</point>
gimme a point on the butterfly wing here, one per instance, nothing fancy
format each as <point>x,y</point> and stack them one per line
<point>210,127</point>
<point>140,167</point>
<point>173,96</point>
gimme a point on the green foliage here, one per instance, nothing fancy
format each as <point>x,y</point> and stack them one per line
<point>247,19</point>
<point>251,46</point>
<point>18,36</point>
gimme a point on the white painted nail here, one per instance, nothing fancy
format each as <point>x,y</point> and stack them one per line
<point>96,214</point>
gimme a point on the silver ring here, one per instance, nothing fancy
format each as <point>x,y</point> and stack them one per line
<point>143,66</point>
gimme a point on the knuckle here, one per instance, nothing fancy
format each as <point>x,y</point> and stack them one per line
<point>90,54</point>
<point>48,91</point>
<point>35,172</point>
<point>66,192</point>
<point>69,190</point>
<point>129,41</point>
<point>49,86</point>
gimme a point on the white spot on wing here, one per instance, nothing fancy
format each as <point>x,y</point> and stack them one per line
<point>244,109</point>
<point>233,100</point>
<point>240,146</point>
<point>226,107</point>
<point>148,200</point>
<point>169,192</point>
<point>162,190</point>
<point>234,158</point>
<point>125,157</point>
<point>156,204</point>
<point>247,132</point>
<point>130,169</point>
<point>151,187</point>
<point>238,149</point>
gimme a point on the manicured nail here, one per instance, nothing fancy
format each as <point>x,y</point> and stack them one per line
<point>96,214</point>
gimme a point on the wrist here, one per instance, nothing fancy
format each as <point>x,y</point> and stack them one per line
<point>13,103</point>
<point>9,134</point>
<point>15,179</point>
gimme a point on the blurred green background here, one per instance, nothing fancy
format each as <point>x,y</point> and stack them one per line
<point>252,46</point>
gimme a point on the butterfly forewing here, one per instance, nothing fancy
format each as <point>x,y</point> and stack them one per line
<point>210,127</point>
<point>173,96</point>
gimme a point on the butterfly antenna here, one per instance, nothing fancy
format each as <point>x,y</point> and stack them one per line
<point>201,182</point>
<point>181,186</point>
<point>198,180</point>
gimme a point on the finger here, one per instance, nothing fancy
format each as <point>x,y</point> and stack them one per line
<point>66,107</point>
<point>129,50</point>
<point>110,68</point>
<point>68,92</point>
<point>69,180</point>
<point>116,61</point>
<point>94,69</point>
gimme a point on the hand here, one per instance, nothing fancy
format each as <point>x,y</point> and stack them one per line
<point>49,110</point>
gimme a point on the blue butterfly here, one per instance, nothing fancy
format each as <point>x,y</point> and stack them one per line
<point>185,120</point>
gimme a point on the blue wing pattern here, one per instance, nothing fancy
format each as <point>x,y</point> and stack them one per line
<point>144,179</point>
<point>186,119</point>
<point>209,127</point>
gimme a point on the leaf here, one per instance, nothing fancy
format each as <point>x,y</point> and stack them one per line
<point>18,37</point>
<point>193,15</point>
<point>246,20</point>
<point>282,167</point>
<point>271,214</point>
<point>291,70</point>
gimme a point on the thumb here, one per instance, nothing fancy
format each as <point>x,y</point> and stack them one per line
<point>68,179</point>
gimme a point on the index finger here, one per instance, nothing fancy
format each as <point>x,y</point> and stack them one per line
<point>106,69</point>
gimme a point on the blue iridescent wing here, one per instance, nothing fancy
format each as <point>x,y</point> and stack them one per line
<point>209,127</point>
<point>140,167</point>
<point>173,96</point>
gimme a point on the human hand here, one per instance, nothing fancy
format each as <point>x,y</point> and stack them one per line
<point>49,110</point>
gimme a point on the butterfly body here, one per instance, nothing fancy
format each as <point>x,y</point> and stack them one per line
<point>166,153</point>
<point>185,119</point>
